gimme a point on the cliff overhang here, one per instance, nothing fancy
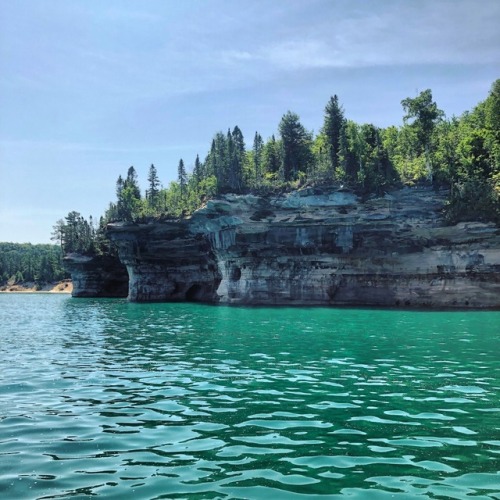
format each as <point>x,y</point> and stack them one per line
<point>315,248</point>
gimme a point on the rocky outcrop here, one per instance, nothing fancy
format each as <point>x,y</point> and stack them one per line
<point>315,248</point>
<point>97,276</point>
<point>167,262</point>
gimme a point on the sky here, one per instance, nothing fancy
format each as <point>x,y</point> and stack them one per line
<point>90,87</point>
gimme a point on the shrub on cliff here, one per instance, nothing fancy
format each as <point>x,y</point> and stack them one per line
<point>473,200</point>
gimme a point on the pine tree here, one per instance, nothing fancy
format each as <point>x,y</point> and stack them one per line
<point>271,156</point>
<point>182,178</point>
<point>332,128</point>
<point>257,149</point>
<point>236,156</point>
<point>220,161</point>
<point>132,183</point>
<point>128,206</point>
<point>154,185</point>
<point>296,146</point>
<point>198,170</point>
<point>119,186</point>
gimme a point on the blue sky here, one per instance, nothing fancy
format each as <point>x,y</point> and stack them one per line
<point>90,87</point>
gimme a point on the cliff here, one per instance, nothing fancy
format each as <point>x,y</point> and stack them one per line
<point>97,276</point>
<point>315,248</point>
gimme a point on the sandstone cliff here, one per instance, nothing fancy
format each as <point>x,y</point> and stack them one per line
<point>98,276</point>
<point>315,248</point>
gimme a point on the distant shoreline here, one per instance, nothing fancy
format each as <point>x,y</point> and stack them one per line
<point>65,286</point>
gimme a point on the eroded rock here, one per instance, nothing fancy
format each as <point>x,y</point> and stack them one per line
<point>315,249</point>
<point>97,276</point>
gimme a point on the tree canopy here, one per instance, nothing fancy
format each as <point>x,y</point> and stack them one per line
<point>22,262</point>
<point>461,154</point>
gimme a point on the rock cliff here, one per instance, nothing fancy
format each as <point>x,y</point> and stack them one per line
<point>315,248</point>
<point>97,276</point>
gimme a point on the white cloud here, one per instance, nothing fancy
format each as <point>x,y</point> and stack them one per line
<point>392,33</point>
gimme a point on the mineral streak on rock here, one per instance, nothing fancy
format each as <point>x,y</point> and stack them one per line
<point>315,248</point>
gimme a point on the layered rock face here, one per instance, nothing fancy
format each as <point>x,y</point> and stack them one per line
<point>167,262</point>
<point>98,276</point>
<point>314,248</point>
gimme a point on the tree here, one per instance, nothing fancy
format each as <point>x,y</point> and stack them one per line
<point>154,185</point>
<point>257,149</point>
<point>236,156</point>
<point>182,178</point>
<point>425,114</point>
<point>26,262</point>
<point>198,170</point>
<point>132,183</point>
<point>271,156</point>
<point>367,162</point>
<point>219,160</point>
<point>58,232</point>
<point>128,205</point>
<point>351,151</point>
<point>492,125</point>
<point>296,146</point>
<point>119,186</point>
<point>333,126</point>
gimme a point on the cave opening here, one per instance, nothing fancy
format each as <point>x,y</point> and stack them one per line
<point>235,274</point>
<point>195,293</point>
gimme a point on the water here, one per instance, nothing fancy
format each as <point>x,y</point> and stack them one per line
<point>116,400</point>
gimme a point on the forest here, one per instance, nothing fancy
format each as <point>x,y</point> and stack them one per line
<point>24,262</point>
<point>460,154</point>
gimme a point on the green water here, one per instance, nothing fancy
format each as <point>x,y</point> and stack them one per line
<point>107,399</point>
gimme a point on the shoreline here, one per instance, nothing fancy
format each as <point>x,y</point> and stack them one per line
<point>65,286</point>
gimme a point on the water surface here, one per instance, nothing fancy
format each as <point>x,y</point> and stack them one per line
<point>116,400</point>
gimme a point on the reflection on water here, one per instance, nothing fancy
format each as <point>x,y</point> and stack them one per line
<point>119,400</point>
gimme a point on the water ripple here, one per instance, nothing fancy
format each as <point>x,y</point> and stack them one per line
<point>117,400</point>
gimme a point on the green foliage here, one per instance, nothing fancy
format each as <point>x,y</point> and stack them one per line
<point>154,187</point>
<point>257,159</point>
<point>333,130</point>
<point>129,197</point>
<point>272,156</point>
<point>182,178</point>
<point>75,234</point>
<point>474,200</point>
<point>424,113</point>
<point>462,154</point>
<point>34,263</point>
<point>474,173</point>
<point>296,146</point>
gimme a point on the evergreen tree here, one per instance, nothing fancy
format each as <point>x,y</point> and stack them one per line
<point>236,157</point>
<point>154,187</point>
<point>132,183</point>
<point>21,262</point>
<point>128,206</point>
<point>198,170</point>
<point>271,154</point>
<point>333,126</point>
<point>257,149</point>
<point>220,161</point>
<point>351,151</point>
<point>119,186</point>
<point>211,160</point>
<point>182,178</point>
<point>296,146</point>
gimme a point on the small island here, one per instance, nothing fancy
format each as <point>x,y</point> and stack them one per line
<point>355,216</point>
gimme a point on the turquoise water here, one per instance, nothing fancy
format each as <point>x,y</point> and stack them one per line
<point>116,400</point>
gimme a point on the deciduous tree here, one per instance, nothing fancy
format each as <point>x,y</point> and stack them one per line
<point>425,115</point>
